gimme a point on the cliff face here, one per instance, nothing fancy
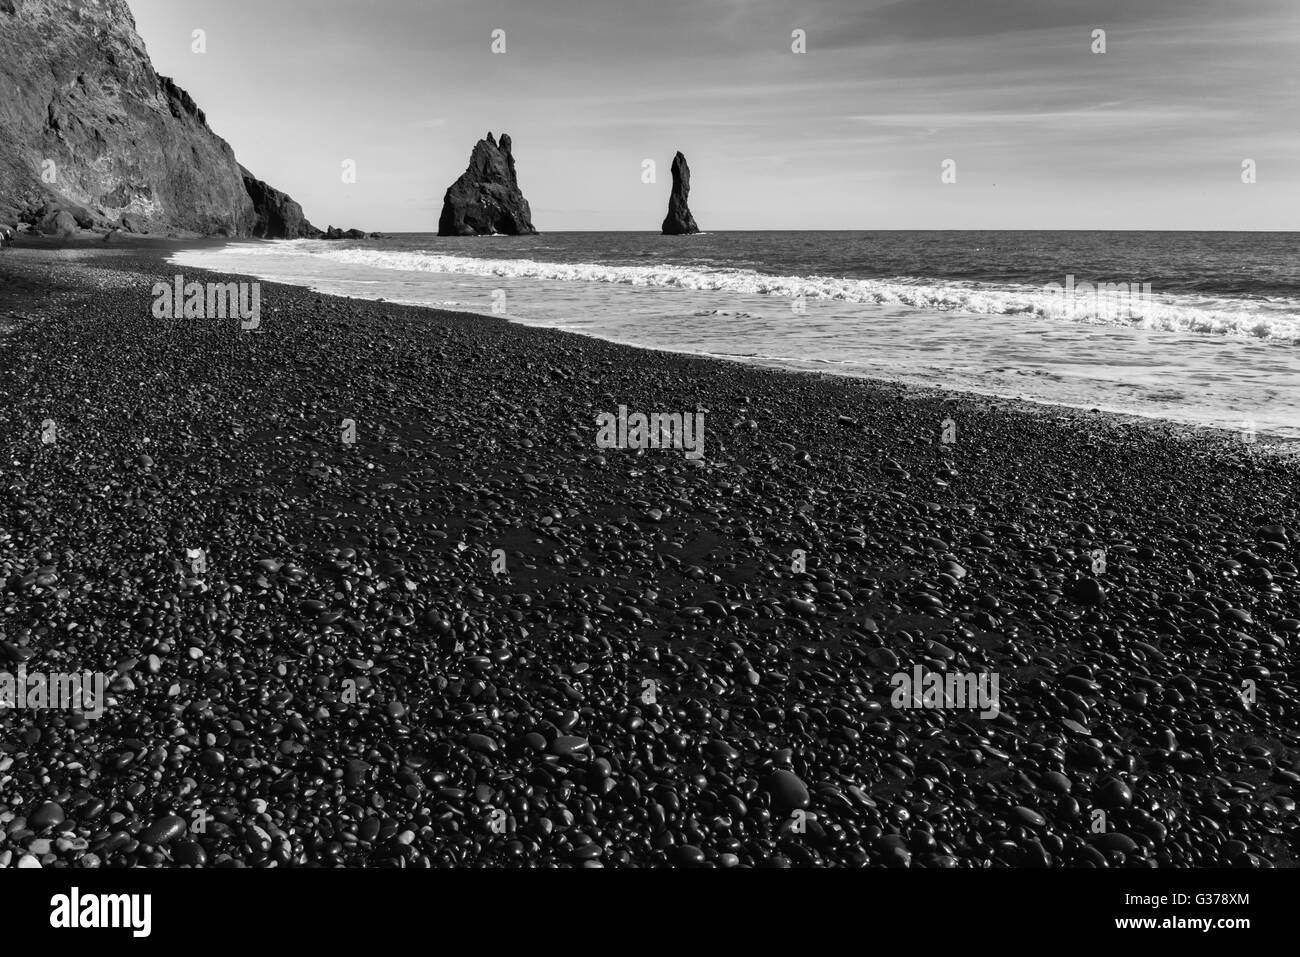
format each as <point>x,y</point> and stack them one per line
<point>679,221</point>
<point>275,215</point>
<point>486,198</point>
<point>88,127</point>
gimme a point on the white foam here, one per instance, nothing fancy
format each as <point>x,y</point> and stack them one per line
<point>1249,318</point>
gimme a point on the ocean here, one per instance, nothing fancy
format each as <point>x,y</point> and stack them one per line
<point>1198,328</point>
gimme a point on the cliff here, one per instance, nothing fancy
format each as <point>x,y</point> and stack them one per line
<point>88,129</point>
<point>275,215</point>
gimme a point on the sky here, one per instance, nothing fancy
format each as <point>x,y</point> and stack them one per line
<point>1043,132</point>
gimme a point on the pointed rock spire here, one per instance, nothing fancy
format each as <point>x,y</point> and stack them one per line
<point>679,220</point>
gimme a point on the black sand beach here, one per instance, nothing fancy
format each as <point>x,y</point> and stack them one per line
<point>350,683</point>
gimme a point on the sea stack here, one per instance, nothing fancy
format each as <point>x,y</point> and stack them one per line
<point>486,200</point>
<point>679,221</point>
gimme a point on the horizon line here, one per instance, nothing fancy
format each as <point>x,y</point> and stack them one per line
<point>843,229</point>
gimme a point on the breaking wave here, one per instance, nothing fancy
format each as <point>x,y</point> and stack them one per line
<point>1261,318</point>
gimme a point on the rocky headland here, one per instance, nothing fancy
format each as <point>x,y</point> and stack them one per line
<point>92,138</point>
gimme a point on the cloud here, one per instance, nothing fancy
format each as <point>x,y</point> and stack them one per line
<point>885,22</point>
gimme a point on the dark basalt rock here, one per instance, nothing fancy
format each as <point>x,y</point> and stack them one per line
<point>486,199</point>
<point>134,224</point>
<point>83,217</point>
<point>332,232</point>
<point>277,215</point>
<point>679,221</point>
<point>59,223</point>
<point>81,93</point>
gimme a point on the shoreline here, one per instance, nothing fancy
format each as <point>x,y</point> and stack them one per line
<point>1265,442</point>
<point>373,562</point>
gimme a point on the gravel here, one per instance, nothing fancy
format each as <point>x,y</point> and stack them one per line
<point>654,679</point>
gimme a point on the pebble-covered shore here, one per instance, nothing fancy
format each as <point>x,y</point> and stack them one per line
<point>350,678</point>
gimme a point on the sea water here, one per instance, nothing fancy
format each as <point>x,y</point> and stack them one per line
<point>1199,328</point>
